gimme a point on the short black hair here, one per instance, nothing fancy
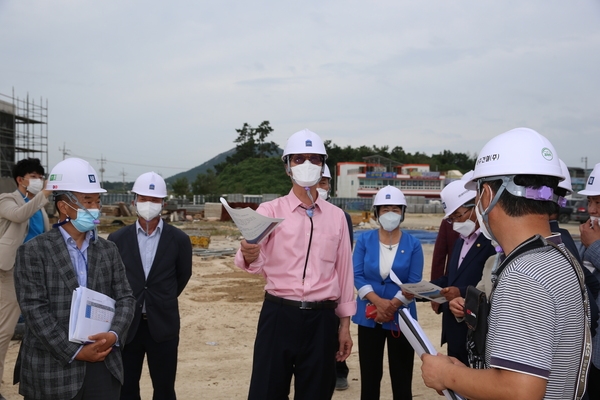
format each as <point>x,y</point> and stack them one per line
<point>516,206</point>
<point>27,166</point>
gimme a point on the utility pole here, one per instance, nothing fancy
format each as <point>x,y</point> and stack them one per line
<point>123,173</point>
<point>102,160</point>
<point>65,151</point>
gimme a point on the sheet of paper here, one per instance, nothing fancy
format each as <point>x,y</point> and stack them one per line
<point>425,290</point>
<point>419,341</point>
<point>91,312</point>
<point>253,226</point>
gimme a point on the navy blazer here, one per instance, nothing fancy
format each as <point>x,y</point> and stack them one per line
<point>469,273</point>
<point>170,272</point>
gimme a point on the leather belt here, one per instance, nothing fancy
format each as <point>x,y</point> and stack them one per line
<point>303,305</point>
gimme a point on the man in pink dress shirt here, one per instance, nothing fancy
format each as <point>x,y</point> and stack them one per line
<point>307,265</point>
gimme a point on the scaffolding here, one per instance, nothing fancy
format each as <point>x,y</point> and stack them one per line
<point>23,131</point>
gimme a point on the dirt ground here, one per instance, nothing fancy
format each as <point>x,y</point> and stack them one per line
<point>219,312</point>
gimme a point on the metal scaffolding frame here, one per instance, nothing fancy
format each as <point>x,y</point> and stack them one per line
<point>23,131</point>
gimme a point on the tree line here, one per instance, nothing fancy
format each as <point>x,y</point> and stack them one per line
<point>256,166</point>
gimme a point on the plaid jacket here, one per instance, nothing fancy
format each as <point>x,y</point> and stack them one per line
<point>45,280</point>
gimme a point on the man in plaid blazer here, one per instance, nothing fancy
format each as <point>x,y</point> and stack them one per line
<point>48,269</point>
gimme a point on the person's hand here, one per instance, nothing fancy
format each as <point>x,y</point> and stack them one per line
<point>109,338</point>
<point>345,344</point>
<point>450,292</point>
<point>46,192</point>
<point>433,369</point>
<point>435,307</point>
<point>589,232</point>
<point>385,310</point>
<point>457,307</point>
<point>249,251</point>
<point>94,352</point>
<point>409,296</point>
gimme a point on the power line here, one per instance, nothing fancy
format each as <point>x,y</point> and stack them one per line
<point>134,164</point>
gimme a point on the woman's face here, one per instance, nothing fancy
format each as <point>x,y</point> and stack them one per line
<point>386,209</point>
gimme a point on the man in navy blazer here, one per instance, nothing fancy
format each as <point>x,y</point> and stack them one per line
<point>158,260</point>
<point>465,266</point>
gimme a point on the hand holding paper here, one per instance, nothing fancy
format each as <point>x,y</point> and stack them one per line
<point>253,226</point>
<point>425,290</point>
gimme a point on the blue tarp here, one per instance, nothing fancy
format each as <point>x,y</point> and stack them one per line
<point>425,237</point>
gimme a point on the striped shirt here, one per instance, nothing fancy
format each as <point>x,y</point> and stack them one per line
<point>536,322</point>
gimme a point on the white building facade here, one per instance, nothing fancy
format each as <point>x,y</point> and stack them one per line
<point>364,179</point>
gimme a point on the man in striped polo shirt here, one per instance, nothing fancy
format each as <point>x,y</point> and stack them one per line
<point>538,329</point>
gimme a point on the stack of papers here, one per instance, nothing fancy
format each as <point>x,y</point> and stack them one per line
<point>425,290</point>
<point>419,341</point>
<point>253,226</point>
<point>91,313</point>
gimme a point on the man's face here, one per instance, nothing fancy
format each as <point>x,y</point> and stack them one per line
<point>24,180</point>
<point>297,159</point>
<point>324,184</point>
<point>148,199</point>
<point>90,201</point>
<point>461,214</point>
<point>594,205</point>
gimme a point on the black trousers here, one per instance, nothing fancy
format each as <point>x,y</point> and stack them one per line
<point>98,383</point>
<point>294,342</point>
<point>593,383</point>
<point>162,365</point>
<point>371,342</point>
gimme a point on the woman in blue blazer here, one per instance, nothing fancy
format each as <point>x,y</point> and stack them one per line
<point>378,253</point>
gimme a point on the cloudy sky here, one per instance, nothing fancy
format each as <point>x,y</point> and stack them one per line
<point>156,85</point>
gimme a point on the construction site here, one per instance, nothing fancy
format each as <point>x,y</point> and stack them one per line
<point>23,134</point>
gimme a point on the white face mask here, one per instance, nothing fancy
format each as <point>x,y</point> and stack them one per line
<point>484,229</point>
<point>307,174</point>
<point>464,228</point>
<point>35,185</point>
<point>390,221</point>
<point>324,194</point>
<point>148,210</point>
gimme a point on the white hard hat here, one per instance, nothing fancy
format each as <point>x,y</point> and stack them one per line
<point>467,176</point>
<point>566,184</point>
<point>521,151</point>
<point>326,172</point>
<point>150,184</point>
<point>592,187</point>
<point>389,196</point>
<point>304,142</point>
<point>455,195</point>
<point>74,175</point>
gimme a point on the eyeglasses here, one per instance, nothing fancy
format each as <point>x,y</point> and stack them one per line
<point>313,158</point>
<point>453,218</point>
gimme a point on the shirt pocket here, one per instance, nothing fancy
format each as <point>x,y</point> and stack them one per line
<point>329,248</point>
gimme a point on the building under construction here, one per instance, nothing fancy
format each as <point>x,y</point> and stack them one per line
<point>23,131</point>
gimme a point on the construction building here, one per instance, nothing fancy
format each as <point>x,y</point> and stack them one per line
<point>23,134</point>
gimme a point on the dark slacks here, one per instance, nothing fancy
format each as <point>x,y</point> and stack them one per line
<point>294,342</point>
<point>98,383</point>
<point>371,343</point>
<point>593,383</point>
<point>162,365</point>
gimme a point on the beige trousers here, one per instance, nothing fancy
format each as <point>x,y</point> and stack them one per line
<point>9,313</point>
